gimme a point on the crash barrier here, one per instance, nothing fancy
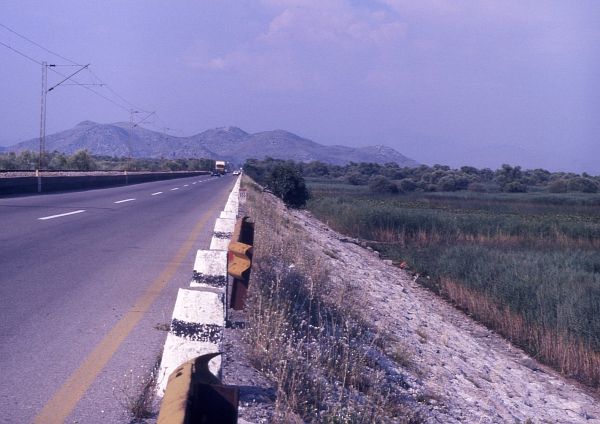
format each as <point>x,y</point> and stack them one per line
<point>195,395</point>
<point>239,261</point>
<point>43,184</point>
<point>197,327</point>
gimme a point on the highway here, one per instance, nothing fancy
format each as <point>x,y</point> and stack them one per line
<point>88,282</point>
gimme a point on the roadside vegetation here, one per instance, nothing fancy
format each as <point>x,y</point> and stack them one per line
<point>308,337</point>
<point>440,178</point>
<point>83,161</point>
<point>525,262</point>
<point>284,179</point>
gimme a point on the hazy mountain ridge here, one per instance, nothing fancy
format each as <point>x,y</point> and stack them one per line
<point>229,143</point>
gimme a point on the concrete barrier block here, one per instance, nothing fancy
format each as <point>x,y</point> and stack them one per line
<point>224,225</point>
<point>228,215</point>
<point>196,329</point>
<point>210,269</point>
<point>231,207</point>
<point>217,243</point>
<point>222,234</point>
<point>177,351</point>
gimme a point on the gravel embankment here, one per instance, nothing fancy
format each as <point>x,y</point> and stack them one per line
<point>476,375</point>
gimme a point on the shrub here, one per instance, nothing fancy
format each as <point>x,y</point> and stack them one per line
<point>447,183</point>
<point>406,184</point>
<point>356,178</point>
<point>477,187</point>
<point>584,185</point>
<point>286,183</point>
<point>82,161</point>
<point>381,185</point>
<point>558,186</point>
<point>515,187</point>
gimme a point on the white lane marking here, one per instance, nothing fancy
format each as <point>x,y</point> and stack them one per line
<point>124,200</point>
<point>154,194</point>
<point>186,185</point>
<point>176,188</point>
<point>61,214</point>
<point>194,182</point>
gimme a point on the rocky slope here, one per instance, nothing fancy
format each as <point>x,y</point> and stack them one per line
<point>228,143</point>
<point>459,370</point>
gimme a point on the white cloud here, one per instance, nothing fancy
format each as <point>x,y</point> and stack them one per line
<point>336,22</point>
<point>307,45</point>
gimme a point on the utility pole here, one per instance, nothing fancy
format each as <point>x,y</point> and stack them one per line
<point>43,113</point>
<point>45,92</point>
<point>132,113</point>
<point>133,124</point>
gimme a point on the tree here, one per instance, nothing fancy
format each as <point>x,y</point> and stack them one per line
<point>58,161</point>
<point>285,182</point>
<point>584,185</point>
<point>447,183</point>
<point>406,184</point>
<point>82,161</point>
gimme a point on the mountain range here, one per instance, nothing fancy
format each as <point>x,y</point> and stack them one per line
<point>226,143</point>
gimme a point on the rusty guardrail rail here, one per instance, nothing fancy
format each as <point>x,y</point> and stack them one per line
<point>195,395</point>
<point>239,261</point>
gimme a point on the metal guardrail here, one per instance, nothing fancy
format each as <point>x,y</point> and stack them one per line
<point>195,395</point>
<point>239,261</point>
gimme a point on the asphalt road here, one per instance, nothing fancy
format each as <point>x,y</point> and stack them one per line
<point>88,281</point>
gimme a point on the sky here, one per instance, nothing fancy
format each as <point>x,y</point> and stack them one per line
<point>452,82</point>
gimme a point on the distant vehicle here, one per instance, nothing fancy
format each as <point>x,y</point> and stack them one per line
<point>220,167</point>
<point>236,172</point>
<point>215,174</point>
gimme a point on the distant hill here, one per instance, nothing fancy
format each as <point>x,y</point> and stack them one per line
<point>228,143</point>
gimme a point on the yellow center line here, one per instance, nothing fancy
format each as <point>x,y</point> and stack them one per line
<point>58,408</point>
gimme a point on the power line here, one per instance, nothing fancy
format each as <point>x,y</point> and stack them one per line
<point>121,105</point>
<point>103,84</point>
<point>37,44</point>
<point>61,74</point>
<point>64,76</point>
<point>93,91</point>
<point>21,53</point>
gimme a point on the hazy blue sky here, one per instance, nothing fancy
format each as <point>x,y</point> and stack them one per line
<point>457,82</point>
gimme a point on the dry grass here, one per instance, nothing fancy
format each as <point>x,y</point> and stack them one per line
<point>136,393</point>
<point>423,238</point>
<point>571,357</point>
<point>324,359</point>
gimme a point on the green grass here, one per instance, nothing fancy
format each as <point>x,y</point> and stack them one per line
<point>526,264</point>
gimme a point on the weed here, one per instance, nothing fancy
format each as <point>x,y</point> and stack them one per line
<point>136,393</point>
<point>422,333</point>
<point>331,254</point>
<point>162,327</point>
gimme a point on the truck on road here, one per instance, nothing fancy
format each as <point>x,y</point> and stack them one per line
<point>219,168</point>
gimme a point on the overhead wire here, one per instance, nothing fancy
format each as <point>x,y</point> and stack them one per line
<point>21,53</point>
<point>38,45</point>
<point>73,63</point>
